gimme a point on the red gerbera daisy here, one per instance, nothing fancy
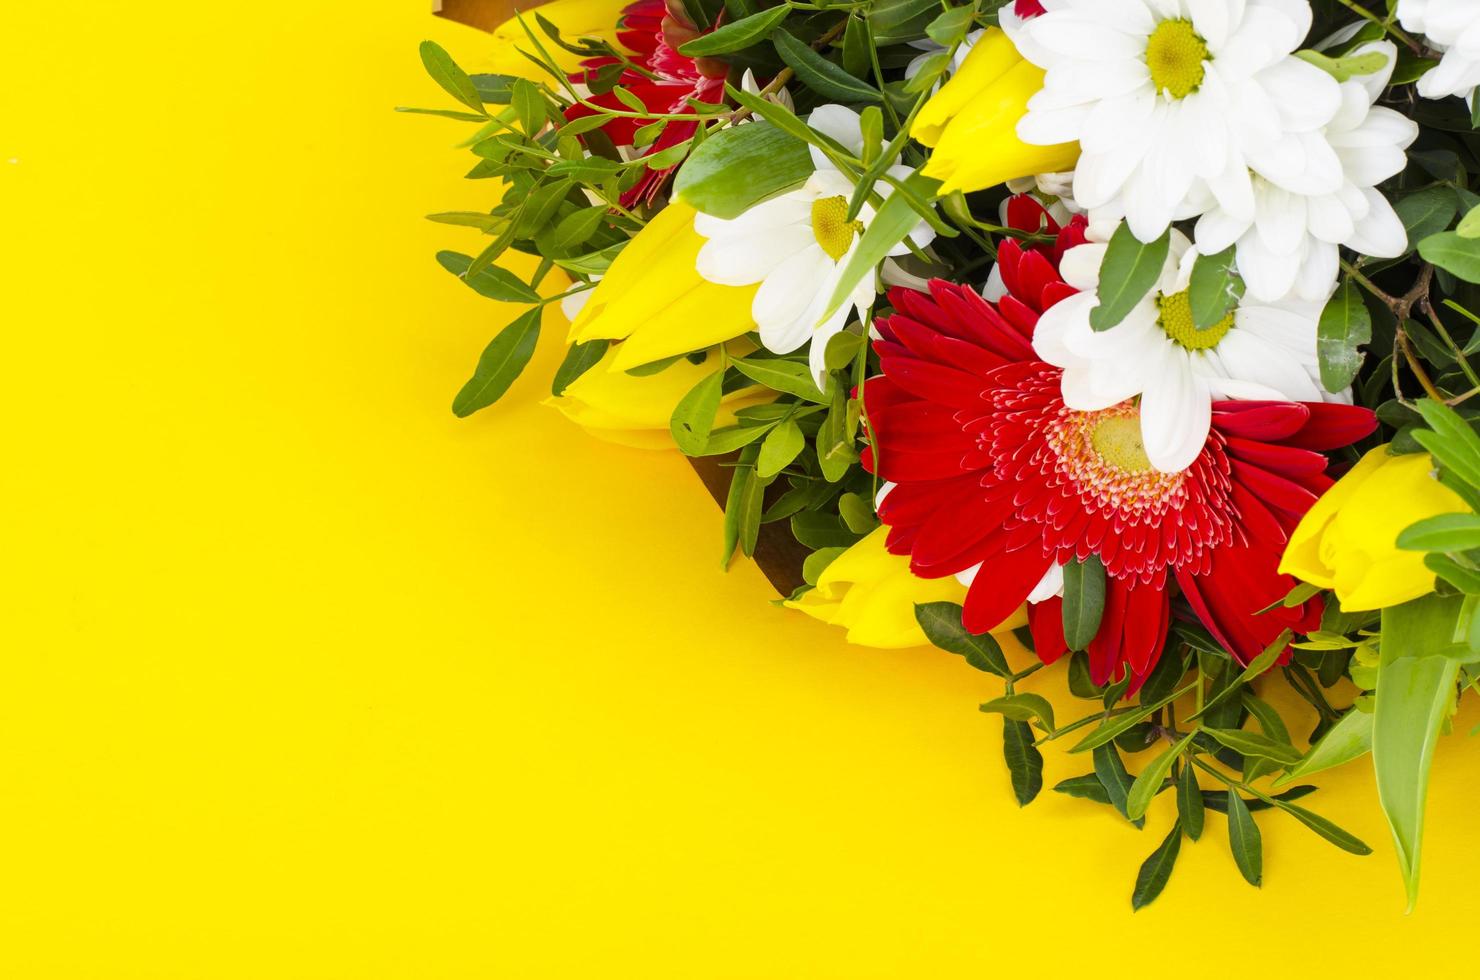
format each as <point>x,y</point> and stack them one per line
<point>653,31</point>
<point>992,471</point>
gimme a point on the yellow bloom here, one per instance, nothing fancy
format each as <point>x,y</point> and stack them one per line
<point>1347,542</point>
<point>873,593</point>
<point>972,121</point>
<point>653,298</point>
<point>575,18</point>
<point>635,411</point>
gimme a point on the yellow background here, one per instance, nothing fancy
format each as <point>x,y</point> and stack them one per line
<point>303,678</point>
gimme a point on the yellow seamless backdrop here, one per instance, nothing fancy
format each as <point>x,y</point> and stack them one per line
<point>302,678</point>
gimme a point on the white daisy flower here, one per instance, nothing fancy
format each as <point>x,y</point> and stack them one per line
<point>797,246</point>
<point>1291,242</point>
<point>1257,351</point>
<point>1162,94</point>
<point>1453,27</point>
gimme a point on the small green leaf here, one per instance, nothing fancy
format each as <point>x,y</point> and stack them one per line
<point>1214,287</point>
<point>842,349</point>
<point>1469,225</point>
<point>1414,693</point>
<point>579,359</point>
<point>1255,745</point>
<point>743,507</point>
<point>816,563</point>
<point>445,72</point>
<point>951,26</point>
<point>493,282</point>
<point>941,622</point>
<point>1024,761</point>
<point>693,416</point>
<point>501,362</point>
<point>1453,253</point>
<point>493,89</point>
<point>783,444</point>
<point>1117,782</point>
<point>857,512</point>
<point>1084,601</point>
<point>1443,532</point>
<point>1426,213</point>
<point>1343,69</point>
<point>1022,707</point>
<point>573,231</point>
<point>897,21</point>
<point>1129,271</point>
<point>1345,324</point>
<point>790,377</point>
<point>894,220</point>
<point>820,75</point>
<point>1157,869</point>
<point>1452,442</point>
<point>1244,840</point>
<point>1343,839</point>
<point>1086,787</point>
<point>736,35</point>
<point>1112,727</point>
<point>1150,781</point>
<point>1190,810</point>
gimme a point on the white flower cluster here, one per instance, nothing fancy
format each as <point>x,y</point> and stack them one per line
<point>1453,27</point>
<point>1201,109</point>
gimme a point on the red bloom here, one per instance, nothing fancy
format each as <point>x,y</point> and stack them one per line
<point>653,31</point>
<point>991,469</point>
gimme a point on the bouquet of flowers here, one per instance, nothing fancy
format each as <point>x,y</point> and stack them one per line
<point>1126,346</point>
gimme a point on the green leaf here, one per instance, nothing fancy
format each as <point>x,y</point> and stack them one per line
<point>783,444</point>
<point>788,376</point>
<point>1345,324</point>
<point>836,452</point>
<point>493,282</point>
<point>734,437</point>
<point>951,26</point>
<point>1257,666</point>
<point>1452,442</point>
<point>1341,838</point>
<point>857,512</point>
<point>573,231</point>
<point>1426,213</point>
<point>736,35</point>
<point>1214,288</point>
<point>820,75</point>
<point>1117,782</point>
<point>816,563</point>
<point>1414,692</point>
<point>743,508</point>
<point>1157,869</point>
<point>1112,727</point>
<point>1129,271</point>
<point>1342,69</point>
<point>1022,707</point>
<point>471,219</point>
<point>1190,810</point>
<point>856,47</point>
<point>1217,800</point>
<point>897,21</point>
<point>941,622</point>
<point>693,416</point>
<point>842,348</point>
<point>1453,253</point>
<point>445,72</point>
<point>1084,601</point>
<point>1467,580</point>
<point>1443,532</point>
<point>493,89</point>
<point>579,359</point>
<point>1150,781</point>
<point>501,362</point>
<point>1255,745</point>
<point>894,220</point>
<point>1469,225</point>
<point>1086,787</point>
<point>1024,761</point>
<point>1244,840</point>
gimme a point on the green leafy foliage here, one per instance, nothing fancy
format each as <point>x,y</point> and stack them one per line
<point>1131,267</point>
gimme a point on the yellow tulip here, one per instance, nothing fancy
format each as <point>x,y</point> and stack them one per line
<point>1347,542</point>
<point>972,121</point>
<point>635,411</point>
<point>575,18</point>
<point>873,593</point>
<point>654,300</point>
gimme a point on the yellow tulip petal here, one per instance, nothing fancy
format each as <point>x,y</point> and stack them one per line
<point>991,57</point>
<point>1302,555</point>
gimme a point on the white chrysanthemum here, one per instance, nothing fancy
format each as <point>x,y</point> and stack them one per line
<point>1292,240</point>
<point>1453,27</point>
<point>797,246</point>
<point>1256,351</point>
<point>1163,94</point>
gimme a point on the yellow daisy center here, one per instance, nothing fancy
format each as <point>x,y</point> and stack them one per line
<point>1175,55</point>
<point>831,227</point>
<point>1175,317</point>
<point>1117,438</point>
